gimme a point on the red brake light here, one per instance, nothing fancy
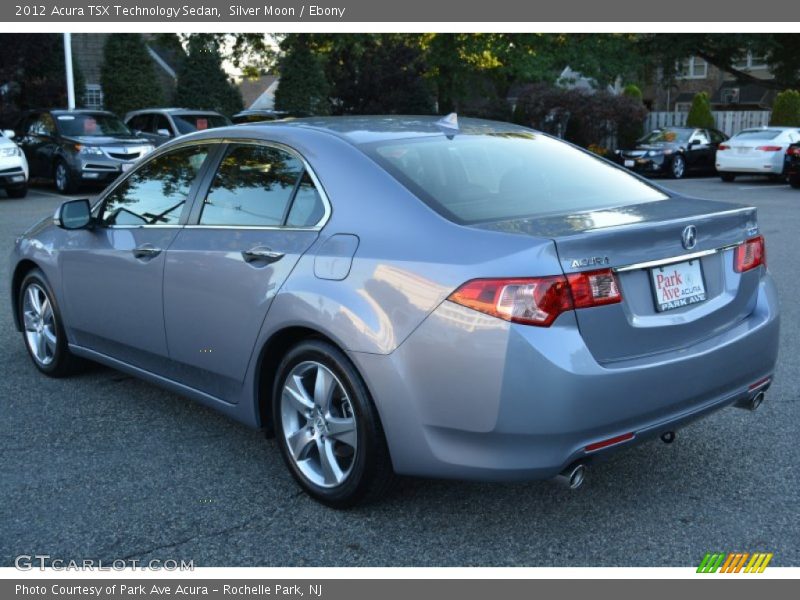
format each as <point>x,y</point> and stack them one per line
<point>769,148</point>
<point>793,150</point>
<point>538,300</point>
<point>723,147</point>
<point>750,255</point>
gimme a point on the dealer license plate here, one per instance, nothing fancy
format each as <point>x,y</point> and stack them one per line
<point>677,285</point>
<point>630,163</point>
<point>126,167</point>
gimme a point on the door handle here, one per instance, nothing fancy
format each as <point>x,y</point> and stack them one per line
<point>146,251</point>
<point>262,254</point>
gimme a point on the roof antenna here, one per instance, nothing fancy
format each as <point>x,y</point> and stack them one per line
<point>449,125</point>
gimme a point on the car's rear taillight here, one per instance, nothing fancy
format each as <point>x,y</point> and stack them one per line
<point>769,148</point>
<point>538,300</point>
<point>750,255</point>
<point>793,151</point>
<point>723,147</point>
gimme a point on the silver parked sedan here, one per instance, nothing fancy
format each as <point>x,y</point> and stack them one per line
<point>405,295</point>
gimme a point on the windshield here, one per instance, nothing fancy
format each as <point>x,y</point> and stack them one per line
<point>758,134</point>
<point>91,125</point>
<point>667,136</point>
<point>190,123</point>
<point>493,177</point>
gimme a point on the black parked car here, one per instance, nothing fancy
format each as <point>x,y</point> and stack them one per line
<point>160,125</point>
<point>673,151</point>
<point>792,162</point>
<point>76,147</point>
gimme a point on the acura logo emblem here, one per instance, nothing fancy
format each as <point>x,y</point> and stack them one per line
<point>689,237</point>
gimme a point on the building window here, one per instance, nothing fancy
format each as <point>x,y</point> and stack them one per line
<point>693,68</point>
<point>93,96</point>
<point>751,61</point>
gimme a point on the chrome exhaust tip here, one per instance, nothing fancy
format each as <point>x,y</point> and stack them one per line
<point>756,401</point>
<point>572,477</point>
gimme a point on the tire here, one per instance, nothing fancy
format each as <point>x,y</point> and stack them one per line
<point>63,178</point>
<point>48,350</point>
<point>794,181</point>
<point>677,168</point>
<point>333,444</point>
<point>727,177</point>
<point>19,191</point>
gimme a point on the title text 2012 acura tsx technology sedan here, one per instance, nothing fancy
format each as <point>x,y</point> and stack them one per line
<point>406,295</point>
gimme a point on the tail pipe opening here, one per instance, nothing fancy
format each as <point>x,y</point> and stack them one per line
<point>756,394</point>
<point>573,476</point>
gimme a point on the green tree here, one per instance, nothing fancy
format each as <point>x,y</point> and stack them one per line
<point>700,112</point>
<point>786,109</point>
<point>630,129</point>
<point>128,76</point>
<point>303,88</point>
<point>202,82</point>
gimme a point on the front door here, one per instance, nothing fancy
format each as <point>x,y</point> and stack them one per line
<point>113,273</point>
<point>261,212</point>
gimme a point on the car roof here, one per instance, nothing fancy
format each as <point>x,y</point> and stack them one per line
<point>76,111</point>
<point>182,111</point>
<point>367,129</point>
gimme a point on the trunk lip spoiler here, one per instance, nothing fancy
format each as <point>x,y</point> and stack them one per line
<point>674,259</point>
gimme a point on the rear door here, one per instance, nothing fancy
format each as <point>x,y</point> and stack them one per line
<point>262,209</point>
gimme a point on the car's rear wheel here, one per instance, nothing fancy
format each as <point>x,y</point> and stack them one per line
<point>64,179</point>
<point>677,168</point>
<point>794,181</point>
<point>43,331</point>
<point>727,177</point>
<point>19,191</point>
<point>328,427</point>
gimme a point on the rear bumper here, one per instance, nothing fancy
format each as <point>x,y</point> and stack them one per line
<point>769,164</point>
<point>471,397</point>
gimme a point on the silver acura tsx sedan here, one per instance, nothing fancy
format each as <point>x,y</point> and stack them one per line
<point>407,295</point>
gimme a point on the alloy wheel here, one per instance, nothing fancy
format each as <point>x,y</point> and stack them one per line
<point>678,167</point>
<point>319,424</point>
<point>61,177</point>
<point>40,324</point>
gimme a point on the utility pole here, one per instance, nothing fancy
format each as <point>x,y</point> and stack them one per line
<point>70,76</point>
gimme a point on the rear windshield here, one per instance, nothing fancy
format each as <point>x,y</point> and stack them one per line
<point>494,177</point>
<point>666,136</point>
<point>191,123</point>
<point>758,134</point>
<point>91,125</point>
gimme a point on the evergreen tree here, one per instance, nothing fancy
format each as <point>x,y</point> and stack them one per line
<point>303,88</point>
<point>203,83</point>
<point>128,75</point>
<point>631,129</point>
<point>786,109</point>
<point>700,112</point>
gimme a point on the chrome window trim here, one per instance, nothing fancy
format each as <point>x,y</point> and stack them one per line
<point>209,141</point>
<point>674,259</point>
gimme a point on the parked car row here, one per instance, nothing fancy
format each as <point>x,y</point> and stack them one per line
<point>676,151</point>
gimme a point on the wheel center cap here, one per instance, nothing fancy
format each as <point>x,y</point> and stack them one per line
<point>319,424</point>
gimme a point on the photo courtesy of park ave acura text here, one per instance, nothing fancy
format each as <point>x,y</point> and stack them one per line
<point>399,299</point>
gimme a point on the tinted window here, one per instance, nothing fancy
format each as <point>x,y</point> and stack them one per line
<point>253,186</point>
<point>156,193</point>
<point>42,125</point>
<point>307,207</point>
<point>161,122</point>
<point>91,124</point>
<point>140,123</point>
<point>669,136</point>
<point>717,136</point>
<point>190,123</point>
<point>473,178</point>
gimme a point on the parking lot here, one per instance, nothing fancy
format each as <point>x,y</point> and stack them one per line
<point>103,466</point>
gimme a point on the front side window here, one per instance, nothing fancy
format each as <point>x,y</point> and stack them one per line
<point>157,192</point>
<point>500,176</point>
<point>188,123</point>
<point>42,125</point>
<point>254,186</point>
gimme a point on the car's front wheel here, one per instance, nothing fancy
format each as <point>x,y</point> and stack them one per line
<point>677,168</point>
<point>328,427</point>
<point>43,330</point>
<point>64,179</point>
<point>19,191</point>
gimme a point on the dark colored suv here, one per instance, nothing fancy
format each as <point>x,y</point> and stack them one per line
<point>77,147</point>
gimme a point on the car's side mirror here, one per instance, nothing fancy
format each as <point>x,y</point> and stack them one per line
<point>8,133</point>
<point>164,133</point>
<point>74,214</point>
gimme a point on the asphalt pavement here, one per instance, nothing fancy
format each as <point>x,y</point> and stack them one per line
<point>104,466</point>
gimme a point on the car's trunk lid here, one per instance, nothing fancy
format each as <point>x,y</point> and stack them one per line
<point>633,240</point>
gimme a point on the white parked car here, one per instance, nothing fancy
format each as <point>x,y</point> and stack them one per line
<point>13,166</point>
<point>755,152</point>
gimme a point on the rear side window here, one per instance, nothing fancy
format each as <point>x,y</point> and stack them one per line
<point>254,186</point>
<point>493,177</point>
